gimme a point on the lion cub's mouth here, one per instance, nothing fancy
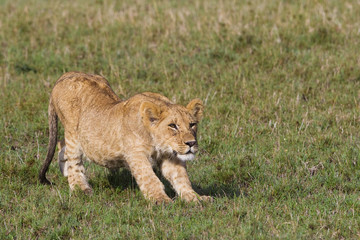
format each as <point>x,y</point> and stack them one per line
<point>189,156</point>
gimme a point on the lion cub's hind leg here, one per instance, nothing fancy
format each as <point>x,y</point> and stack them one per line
<point>73,167</point>
<point>62,158</point>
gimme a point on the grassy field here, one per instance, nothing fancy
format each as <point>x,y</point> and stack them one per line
<point>280,141</point>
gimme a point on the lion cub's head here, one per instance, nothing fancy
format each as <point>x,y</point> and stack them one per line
<point>173,127</point>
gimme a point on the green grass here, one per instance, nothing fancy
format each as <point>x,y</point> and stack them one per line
<point>280,141</point>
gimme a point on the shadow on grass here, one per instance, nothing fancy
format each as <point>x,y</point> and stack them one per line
<point>123,179</point>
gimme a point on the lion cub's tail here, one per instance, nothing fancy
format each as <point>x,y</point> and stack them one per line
<point>53,123</point>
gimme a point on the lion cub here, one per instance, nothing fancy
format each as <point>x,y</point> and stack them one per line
<point>144,131</point>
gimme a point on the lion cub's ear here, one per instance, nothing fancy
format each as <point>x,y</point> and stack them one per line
<point>196,108</point>
<point>150,112</point>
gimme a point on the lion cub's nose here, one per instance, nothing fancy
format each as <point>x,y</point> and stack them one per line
<point>190,143</point>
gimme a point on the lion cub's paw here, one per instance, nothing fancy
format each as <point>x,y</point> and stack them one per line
<point>206,198</point>
<point>163,200</point>
<point>88,191</point>
<point>194,197</point>
<point>81,190</point>
<point>189,197</point>
<point>159,199</point>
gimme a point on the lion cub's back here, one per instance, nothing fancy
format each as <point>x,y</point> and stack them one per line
<point>82,83</point>
<point>75,92</point>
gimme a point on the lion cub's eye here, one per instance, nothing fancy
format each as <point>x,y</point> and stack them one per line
<point>173,125</point>
<point>192,125</point>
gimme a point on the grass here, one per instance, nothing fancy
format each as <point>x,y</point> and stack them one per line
<point>279,142</point>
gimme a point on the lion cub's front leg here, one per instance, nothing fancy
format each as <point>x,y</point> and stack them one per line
<point>175,172</point>
<point>149,184</point>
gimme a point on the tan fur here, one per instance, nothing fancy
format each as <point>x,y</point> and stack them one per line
<point>144,131</point>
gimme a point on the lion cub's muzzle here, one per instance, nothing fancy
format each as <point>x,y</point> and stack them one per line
<point>189,152</point>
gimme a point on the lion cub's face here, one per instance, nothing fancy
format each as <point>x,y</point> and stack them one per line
<point>174,127</point>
